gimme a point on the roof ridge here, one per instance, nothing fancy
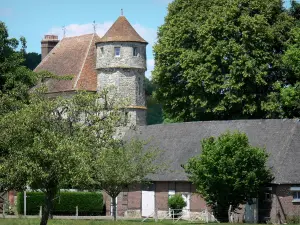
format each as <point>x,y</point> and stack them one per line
<point>86,55</point>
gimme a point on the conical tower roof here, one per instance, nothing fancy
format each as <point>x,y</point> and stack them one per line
<point>122,31</point>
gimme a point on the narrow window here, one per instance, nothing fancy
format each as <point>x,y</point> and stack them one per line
<point>102,51</point>
<point>117,51</point>
<point>135,51</point>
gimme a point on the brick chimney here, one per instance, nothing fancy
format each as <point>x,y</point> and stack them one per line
<point>48,43</point>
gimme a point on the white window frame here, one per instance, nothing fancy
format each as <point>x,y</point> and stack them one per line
<point>171,193</point>
<point>296,194</point>
<point>115,51</point>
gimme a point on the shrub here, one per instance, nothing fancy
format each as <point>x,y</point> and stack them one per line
<point>89,203</point>
<point>293,219</point>
<point>177,203</point>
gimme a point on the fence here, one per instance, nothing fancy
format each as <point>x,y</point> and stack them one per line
<point>176,215</point>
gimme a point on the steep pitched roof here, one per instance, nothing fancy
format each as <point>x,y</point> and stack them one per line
<point>72,56</point>
<point>181,141</point>
<point>122,30</point>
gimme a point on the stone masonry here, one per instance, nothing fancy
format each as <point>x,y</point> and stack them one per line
<point>126,73</point>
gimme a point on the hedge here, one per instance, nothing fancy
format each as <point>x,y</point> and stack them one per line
<point>89,203</point>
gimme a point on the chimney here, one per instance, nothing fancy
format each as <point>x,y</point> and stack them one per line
<point>48,43</point>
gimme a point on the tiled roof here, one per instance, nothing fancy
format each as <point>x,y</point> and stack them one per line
<point>181,141</point>
<point>72,56</point>
<point>122,30</point>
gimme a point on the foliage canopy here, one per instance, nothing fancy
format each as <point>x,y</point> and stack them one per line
<point>228,172</point>
<point>223,59</point>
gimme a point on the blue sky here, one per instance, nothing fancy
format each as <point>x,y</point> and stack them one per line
<point>35,18</point>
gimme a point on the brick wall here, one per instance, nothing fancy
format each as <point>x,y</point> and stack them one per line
<point>282,206</point>
<point>197,203</point>
<point>131,199</point>
<point>161,195</point>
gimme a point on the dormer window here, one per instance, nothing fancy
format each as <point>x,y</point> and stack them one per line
<point>135,51</point>
<point>117,51</point>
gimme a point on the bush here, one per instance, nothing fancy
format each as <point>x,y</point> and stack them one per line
<point>89,203</point>
<point>293,219</point>
<point>177,203</point>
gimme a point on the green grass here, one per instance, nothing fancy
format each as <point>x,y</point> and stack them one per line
<point>86,222</point>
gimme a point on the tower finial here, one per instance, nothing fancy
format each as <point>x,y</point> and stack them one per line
<point>94,26</point>
<point>121,12</point>
<point>64,31</point>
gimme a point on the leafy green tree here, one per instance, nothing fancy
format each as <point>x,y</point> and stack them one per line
<point>221,59</point>
<point>123,164</point>
<point>32,60</point>
<point>154,109</point>
<point>228,172</point>
<point>295,9</point>
<point>15,79</point>
<point>50,143</point>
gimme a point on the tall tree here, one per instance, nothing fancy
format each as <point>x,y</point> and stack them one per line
<point>154,109</point>
<point>228,172</point>
<point>50,143</point>
<point>15,79</point>
<point>123,165</point>
<point>32,60</point>
<point>222,59</point>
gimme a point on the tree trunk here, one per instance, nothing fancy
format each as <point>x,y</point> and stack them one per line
<point>49,196</point>
<point>114,208</point>
<point>229,214</point>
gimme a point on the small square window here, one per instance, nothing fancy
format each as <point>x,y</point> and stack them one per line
<point>135,51</point>
<point>117,51</point>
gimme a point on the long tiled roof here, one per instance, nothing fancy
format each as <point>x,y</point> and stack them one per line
<point>122,31</point>
<point>181,141</point>
<point>74,56</point>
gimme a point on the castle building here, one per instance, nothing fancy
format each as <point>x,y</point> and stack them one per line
<point>119,58</point>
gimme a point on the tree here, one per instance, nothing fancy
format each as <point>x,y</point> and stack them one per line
<point>15,79</point>
<point>154,109</point>
<point>228,172</point>
<point>123,164</point>
<point>50,143</point>
<point>220,59</point>
<point>32,60</point>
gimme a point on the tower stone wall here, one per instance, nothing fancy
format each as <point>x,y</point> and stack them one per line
<point>126,73</point>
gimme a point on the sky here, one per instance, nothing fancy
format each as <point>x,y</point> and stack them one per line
<point>35,18</point>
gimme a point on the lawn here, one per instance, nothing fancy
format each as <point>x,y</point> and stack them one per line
<point>85,222</point>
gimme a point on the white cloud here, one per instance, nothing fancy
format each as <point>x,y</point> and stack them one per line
<point>80,29</point>
<point>149,34</point>
<point>150,67</point>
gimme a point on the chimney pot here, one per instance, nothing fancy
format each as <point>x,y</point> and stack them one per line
<point>48,43</point>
